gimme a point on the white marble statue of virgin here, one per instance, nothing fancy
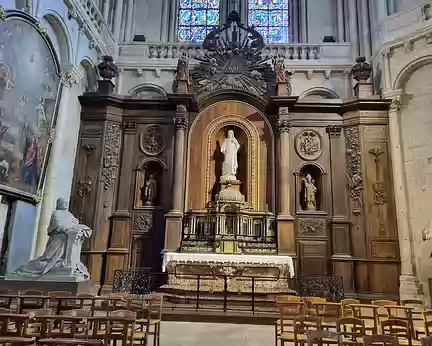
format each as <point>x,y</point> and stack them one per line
<point>62,253</point>
<point>229,149</point>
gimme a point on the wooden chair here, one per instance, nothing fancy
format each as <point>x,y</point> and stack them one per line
<point>401,312</point>
<point>281,298</point>
<point>13,329</point>
<point>329,314</point>
<point>66,330</point>
<point>302,325</point>
<point>380,339</point>
<point>352,330</point>
<point>119,326</point>
<point>346,309</point>
<point>400,329</point>
<point>288,312</point>
<point>427,322</point>
<point>367,313</point>
<point>31,300</point>
<point>417,306</point>
<point>310,301</point>
<point>323,337</point>
<point>7,298</point>
<point>155,308</point>
<point>34,326</point>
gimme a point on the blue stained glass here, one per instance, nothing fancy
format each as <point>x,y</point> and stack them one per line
<point>196,19</point>
<point>199,3</point>
<point>271,19</point>
<point>185,17</point>
<point>185,3</point>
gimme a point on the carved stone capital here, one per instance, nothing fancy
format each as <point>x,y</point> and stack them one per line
<point>396,104</point>
<point>334,130</point>
<point>129,126</point>
<point>181,109</point>
<point>283,126</point>
<point>68,79</point>
<point>386,53</point>
<point>181,123</point>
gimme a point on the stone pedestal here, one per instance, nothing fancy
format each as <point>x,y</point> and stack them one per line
<point>49,284</point>
<point>409,288</point>
<point>105,86</point>
<point>230,192</point>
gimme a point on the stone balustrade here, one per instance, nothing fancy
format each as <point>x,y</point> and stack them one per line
<point>92,24</point>
<point>167,53</point>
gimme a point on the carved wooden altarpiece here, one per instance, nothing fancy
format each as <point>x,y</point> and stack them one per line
<point>321,189</point>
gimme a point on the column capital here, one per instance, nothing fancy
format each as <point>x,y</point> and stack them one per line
<point>70,75</point>
<point>181,123</point>
<point>334,130</point>
<point>283,126</point>
<point>129,127</point>
<point>181,109</point>
<point>386,53</point>
<point>396,99</point>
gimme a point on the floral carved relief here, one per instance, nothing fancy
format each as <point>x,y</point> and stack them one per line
<point>151,142</point>
<point>308,145</point>
<point>353,164</point>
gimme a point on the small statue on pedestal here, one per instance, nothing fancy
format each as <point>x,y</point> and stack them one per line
<point>182,74</point>
<point>309,193</point>
<point>283,76</point>
<point>229,149</point>
<point>149,190</point>
<point>61,257</point>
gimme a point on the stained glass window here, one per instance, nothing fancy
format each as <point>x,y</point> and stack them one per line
<point>270,18</point>
<point>196,19</point>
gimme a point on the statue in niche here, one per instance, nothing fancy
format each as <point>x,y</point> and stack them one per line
<point>229,149</point>
<point>62,253</point>
<point>309,191</point>
<point>149,190</point>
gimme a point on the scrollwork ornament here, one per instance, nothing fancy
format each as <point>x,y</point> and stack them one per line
<point>396,104</point>
<point>353,164</point>
<point>67,79</point>
<point>283,126</point>
<point>311,227</point>
<point>2,14</point>
<point>111,155</point>
<point>152,142</point>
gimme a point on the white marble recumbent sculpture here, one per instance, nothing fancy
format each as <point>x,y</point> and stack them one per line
<point>61,258</point>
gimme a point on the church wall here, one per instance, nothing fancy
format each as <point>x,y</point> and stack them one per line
<point>322,20</point>
<point>148,14</point>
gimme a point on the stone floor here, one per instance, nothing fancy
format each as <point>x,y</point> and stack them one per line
<point>215,334</point>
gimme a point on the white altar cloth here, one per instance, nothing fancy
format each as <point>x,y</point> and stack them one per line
<point>221,258</point>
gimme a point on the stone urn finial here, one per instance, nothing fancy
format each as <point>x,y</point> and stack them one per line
<point>107,68</point>
<point>361,71</point>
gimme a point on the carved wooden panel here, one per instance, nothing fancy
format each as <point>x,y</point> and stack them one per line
<point>311,227</point>
<point>142,222</point>
<point>341,239</point>
<point>385,249</point>
<point>313,258</point>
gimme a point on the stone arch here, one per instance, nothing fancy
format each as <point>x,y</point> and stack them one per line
<point>146,161</point>
<point>148,91</point>
<point>409,69</point>
<point>59,35</point>
<point>319,92</point>
<point>90,75</point>
<point>304,164</point>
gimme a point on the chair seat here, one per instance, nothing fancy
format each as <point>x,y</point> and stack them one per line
<point>349,341</point>
<point>70,342</point>
<point>406,342</point>
<point>16,340</point>
<point>290,337</point>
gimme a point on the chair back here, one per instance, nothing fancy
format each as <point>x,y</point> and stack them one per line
<point>351,328</point>
<point>310,301</point>
<point>371,340</point>
<point>346,309</point>
<point>367,312</point>
<point>427,341</point>
<point>13,325</point>
<point>427,320</point>
<point>114,328</point>
<point>64,327</point>
<point>323,337</point>
<point>399,328</point>
<point>290,311</point>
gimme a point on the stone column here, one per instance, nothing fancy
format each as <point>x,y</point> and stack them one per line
<point>174,222</point>
<point>56,159</point>
<point>165,20</point>
<point>365,31</point>
<point>105,10</point>
<point>118,18</point>
<point>295,21</point>
<point>409,285</point>
<point>303,21</point>
<point>285,221</point>
<point>381,8</point>
<point>129,21</point>
<point>353,26</point>
<point>340,19</point>
<point>173,20</point>
<point>391,8</point>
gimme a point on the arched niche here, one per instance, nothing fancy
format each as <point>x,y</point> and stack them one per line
<point>254,130</point>
<point>149,175</point>
<point>148,92</point>
<point>318,94</point>
<point>305,188</point>
<point>58,35</point>
<point>90,75</point>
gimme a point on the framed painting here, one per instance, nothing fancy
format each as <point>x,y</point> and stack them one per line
<point>30,89</point>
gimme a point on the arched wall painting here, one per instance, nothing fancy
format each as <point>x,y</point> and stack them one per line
<point>29,94</point>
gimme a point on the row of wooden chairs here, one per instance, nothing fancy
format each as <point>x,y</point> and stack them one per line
<point>146,309</point>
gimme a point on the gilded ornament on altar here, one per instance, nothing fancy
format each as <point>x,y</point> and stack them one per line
<point>152,142</point>
<point>308,145</point>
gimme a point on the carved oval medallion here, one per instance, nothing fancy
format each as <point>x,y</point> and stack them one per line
<point>308,145</point>
<point>151,142</point>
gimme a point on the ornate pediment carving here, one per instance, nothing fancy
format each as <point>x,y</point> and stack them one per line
<point>234,61</point>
